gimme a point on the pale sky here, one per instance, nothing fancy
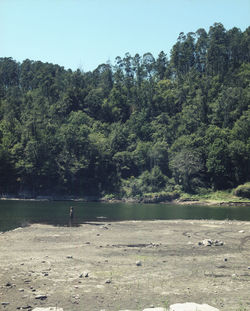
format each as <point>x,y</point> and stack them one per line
<point>86,33</point>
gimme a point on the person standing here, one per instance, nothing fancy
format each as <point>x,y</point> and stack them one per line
<point>71,212</point>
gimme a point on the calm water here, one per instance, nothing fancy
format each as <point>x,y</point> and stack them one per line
<point>14,214</point>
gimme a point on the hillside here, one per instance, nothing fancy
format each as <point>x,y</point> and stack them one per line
<point>143,125</point>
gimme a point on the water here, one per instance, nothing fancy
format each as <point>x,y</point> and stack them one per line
<point>14,214</point>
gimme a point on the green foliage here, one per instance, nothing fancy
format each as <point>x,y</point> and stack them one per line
<point>139,128</point>
<point>243,191</point>
<point>148,181</point>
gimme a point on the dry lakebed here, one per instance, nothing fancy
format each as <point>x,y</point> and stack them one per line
<point>126,265</point>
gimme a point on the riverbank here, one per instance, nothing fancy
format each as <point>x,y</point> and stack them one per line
<point>126,265</point>
<point>181,201</point>
<point>217,198</point>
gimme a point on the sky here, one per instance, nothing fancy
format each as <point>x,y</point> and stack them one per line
<point>86,33</point>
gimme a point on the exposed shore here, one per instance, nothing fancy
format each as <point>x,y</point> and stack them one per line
<point>126,265</point>
<point>240,202</point>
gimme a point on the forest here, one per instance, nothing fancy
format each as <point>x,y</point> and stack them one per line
<point>170,124</point>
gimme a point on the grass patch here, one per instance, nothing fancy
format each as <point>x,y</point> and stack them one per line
<point>218,196</point>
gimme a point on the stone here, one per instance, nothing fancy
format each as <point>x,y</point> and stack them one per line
<point>69,257</point>
<point>138,263</point>
<point>191,306</point>
<point>209,242</point>
<point>5,303</point>
<point>8,284</point>
<point>108,281</point>
<point>218,243</point>
<point>48,309</point>
<point>41,297</point>
<point>84,274</point>
<point>241,231</point>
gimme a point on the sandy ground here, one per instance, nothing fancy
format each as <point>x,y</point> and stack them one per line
<point>94,266</point>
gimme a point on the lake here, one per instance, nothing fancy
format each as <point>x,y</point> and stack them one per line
<point>15,214</point>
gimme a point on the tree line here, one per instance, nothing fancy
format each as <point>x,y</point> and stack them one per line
<point>141,125</point>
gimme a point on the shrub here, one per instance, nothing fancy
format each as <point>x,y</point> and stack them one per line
<point>243,191</point>
<point>160,197</point>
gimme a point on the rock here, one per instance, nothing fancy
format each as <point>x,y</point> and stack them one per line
<point>24,308</point>
<point>41,297</point>
<point>48,309</point>
<point>21,290</point>
<point>69,257</point>
<point>76,297</point>
<point>241,231</point>
<point>191,306</point>
<point>248,268</point>
<point>84,274</point>
<point>218,243</point>
<point>5,304</point>
<point>209,242</point>
<point>8,284</point>
<point>108,281</point>
<point>138,263</point>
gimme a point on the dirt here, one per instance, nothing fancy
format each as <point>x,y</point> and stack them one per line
<point>126,265</point>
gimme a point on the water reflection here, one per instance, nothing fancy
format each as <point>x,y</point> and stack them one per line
<point>20,213</point>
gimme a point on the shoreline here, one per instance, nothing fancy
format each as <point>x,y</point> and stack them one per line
<point>216,203</point>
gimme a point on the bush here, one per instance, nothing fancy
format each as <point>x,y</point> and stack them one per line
<point>243,191</point>
<point>160,197</point>
<point>148,182</point>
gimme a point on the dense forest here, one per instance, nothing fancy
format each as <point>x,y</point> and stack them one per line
<point>141,125</point>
